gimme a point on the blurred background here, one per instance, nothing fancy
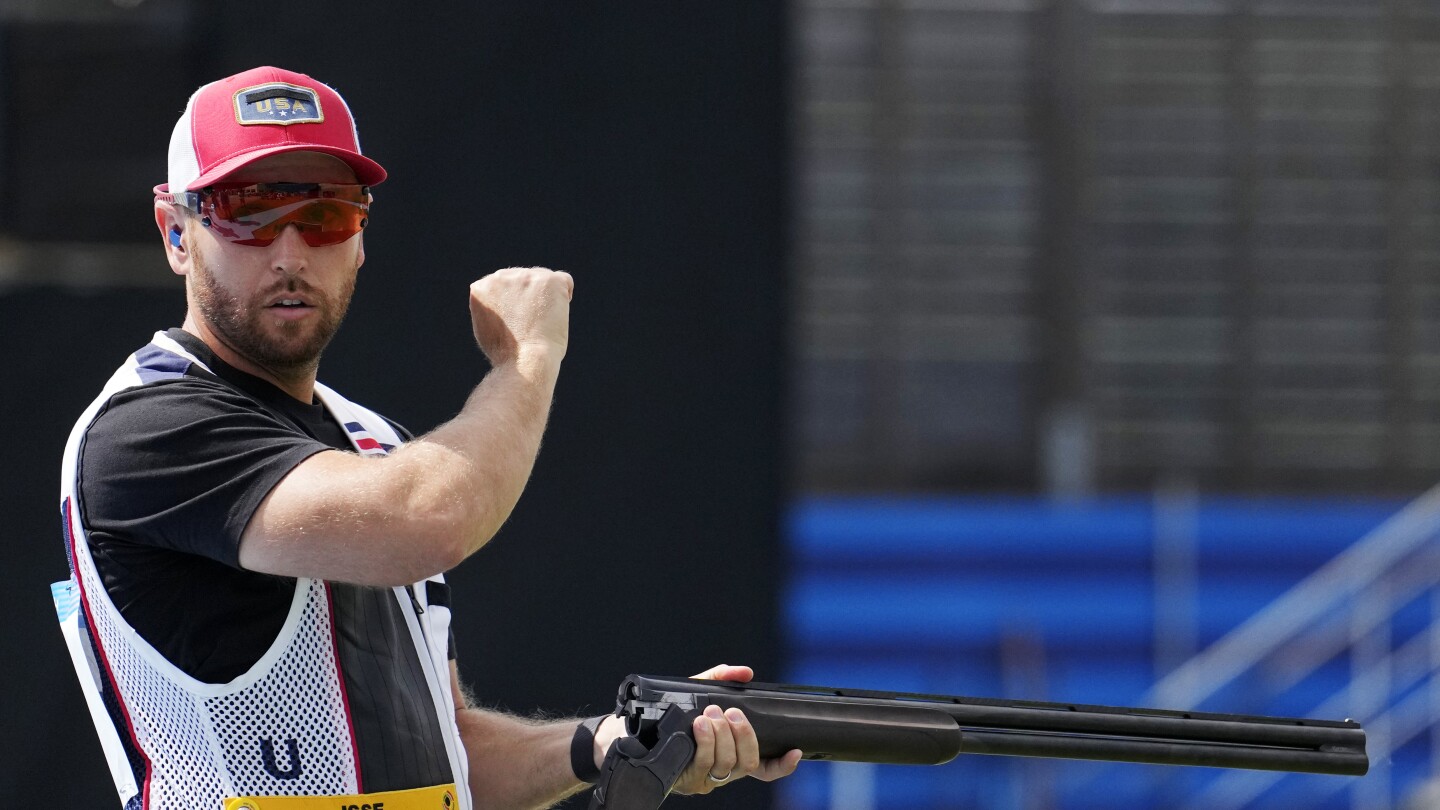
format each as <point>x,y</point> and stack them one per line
<point>1056,350</point>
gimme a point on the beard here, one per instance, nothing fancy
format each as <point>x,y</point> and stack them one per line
<point>284,348</point>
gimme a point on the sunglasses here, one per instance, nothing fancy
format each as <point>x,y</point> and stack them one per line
<point>324,213</point>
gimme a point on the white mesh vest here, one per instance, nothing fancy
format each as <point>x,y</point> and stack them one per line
<point>175,743</point>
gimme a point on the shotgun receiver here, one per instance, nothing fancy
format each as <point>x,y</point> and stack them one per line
<point>855,725</point>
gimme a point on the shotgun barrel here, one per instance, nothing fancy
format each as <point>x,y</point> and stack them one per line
<point>856,725</point>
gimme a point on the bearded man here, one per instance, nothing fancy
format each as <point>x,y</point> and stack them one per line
<point>258,563</point>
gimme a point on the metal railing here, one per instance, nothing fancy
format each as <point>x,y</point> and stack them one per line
<point>1349,604</point>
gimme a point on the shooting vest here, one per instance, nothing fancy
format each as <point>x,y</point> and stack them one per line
<point>283,728</point>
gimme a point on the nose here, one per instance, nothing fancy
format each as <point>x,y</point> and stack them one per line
<point>288,253</point>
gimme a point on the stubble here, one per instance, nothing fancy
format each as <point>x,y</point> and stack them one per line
<point>286,349</point>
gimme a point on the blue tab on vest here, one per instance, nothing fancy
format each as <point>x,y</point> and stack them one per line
<point>154,363</point>
<point>277,103</point>
<point>67,598</point>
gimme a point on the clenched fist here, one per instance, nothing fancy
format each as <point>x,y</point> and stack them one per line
<point>521,308</point>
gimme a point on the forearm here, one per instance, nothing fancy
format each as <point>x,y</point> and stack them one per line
<point>468,474</point>
<point>517,763</point>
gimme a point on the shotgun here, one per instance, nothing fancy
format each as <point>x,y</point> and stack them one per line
<point>857,725</point>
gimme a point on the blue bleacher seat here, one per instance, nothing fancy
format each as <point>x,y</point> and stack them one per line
<point>1034,599</point>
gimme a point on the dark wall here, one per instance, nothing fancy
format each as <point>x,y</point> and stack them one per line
<point>643,152</point>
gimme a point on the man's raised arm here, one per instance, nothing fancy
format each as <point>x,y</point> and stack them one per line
<point>436,500</point>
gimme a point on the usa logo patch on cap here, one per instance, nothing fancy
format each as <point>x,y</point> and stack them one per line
<point>277,103</point>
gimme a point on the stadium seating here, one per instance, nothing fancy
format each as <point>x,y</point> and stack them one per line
<point>1050,600</point>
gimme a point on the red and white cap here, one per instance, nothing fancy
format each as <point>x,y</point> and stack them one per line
<point>260,112</point>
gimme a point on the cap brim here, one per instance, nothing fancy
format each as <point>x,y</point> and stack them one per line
<point>367,171</point>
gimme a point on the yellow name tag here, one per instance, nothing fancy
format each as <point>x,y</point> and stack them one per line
<point>440,797</point>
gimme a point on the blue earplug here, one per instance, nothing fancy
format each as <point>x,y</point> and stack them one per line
<point>175,237</point>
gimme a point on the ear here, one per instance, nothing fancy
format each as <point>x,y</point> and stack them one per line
<point>172,229</point>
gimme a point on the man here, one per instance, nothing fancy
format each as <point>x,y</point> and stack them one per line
<point>258,561</point>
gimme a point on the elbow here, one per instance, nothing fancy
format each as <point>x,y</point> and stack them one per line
<point>430,562</point>
<point>446,549</point>
<point>416,557</point>
<point>446,529</point>
<point>427,549</point>
<point>440,515</point>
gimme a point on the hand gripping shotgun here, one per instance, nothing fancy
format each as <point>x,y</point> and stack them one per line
<point>854,725</point>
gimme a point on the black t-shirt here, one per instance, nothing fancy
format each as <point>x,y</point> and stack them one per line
<point>170,473</point>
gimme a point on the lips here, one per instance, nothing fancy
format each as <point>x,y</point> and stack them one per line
<point>291,296</point>
<point>290,305</point>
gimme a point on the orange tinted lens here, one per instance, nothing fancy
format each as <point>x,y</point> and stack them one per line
<point>256,215</point>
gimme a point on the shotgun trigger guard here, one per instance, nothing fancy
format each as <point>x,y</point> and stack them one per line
<point>636,777</point>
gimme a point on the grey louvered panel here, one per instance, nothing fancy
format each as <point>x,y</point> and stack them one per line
<point>1182,202</point>
<point>1162,221</point>
<point>1252,263</point>
<point>913,232</point>
<point>1131,448</point>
